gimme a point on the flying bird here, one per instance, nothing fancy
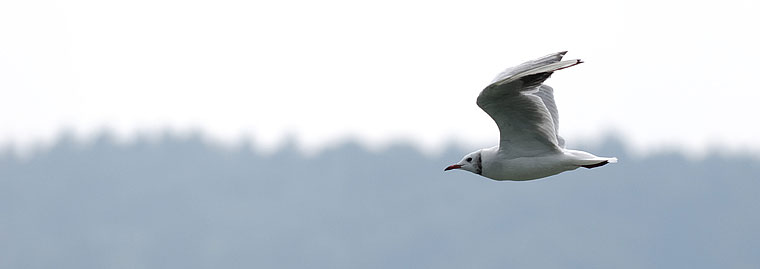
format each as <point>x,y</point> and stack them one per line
<point>524,110</point>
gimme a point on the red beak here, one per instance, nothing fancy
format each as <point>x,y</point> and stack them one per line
<point>456,166</point>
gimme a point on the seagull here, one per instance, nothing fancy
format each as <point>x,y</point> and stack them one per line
<point>524,110</point>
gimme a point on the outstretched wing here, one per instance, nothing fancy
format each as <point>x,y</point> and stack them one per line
<point>521,110</point>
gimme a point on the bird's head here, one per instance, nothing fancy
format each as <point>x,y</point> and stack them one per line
<point>470,162</point>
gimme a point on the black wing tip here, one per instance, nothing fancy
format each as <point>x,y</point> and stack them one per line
<point>560,54</point>
<point>577,62</point>
<point>557,55</point>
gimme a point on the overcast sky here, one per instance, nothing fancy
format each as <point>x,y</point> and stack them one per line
<point>661,74</point>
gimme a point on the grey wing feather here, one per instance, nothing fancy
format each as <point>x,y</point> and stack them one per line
<point>546,94</point>
<point>523,109</point>
<point>525,125</point>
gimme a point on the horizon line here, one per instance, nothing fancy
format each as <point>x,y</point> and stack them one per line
<point>296,142</point>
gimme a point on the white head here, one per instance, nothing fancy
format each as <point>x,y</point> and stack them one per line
<point>470,162</point>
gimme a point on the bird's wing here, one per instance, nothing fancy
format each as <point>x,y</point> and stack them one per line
<point>548,59</point>
<point>520,110</point>
<point>546,94</point>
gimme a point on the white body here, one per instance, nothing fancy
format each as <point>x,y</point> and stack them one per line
<point>502,167</point>
<point>524,110</point>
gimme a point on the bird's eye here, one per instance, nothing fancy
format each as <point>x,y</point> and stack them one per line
<point>469,159</point>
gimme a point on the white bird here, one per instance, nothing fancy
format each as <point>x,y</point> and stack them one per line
<point>524,110</point>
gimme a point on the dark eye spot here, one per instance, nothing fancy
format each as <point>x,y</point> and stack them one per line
<point>468,159</point>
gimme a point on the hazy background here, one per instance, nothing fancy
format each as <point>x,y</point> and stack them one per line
<point>182,203</point>
<point>673,74</point>
<point>291,134</point>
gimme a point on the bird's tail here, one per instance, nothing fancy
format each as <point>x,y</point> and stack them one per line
<point>600,163</point>
<point>588,160</point>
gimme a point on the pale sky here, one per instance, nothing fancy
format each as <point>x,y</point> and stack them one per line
<point>661,74</point>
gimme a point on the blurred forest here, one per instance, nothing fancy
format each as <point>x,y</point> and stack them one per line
<point>181,202</point>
